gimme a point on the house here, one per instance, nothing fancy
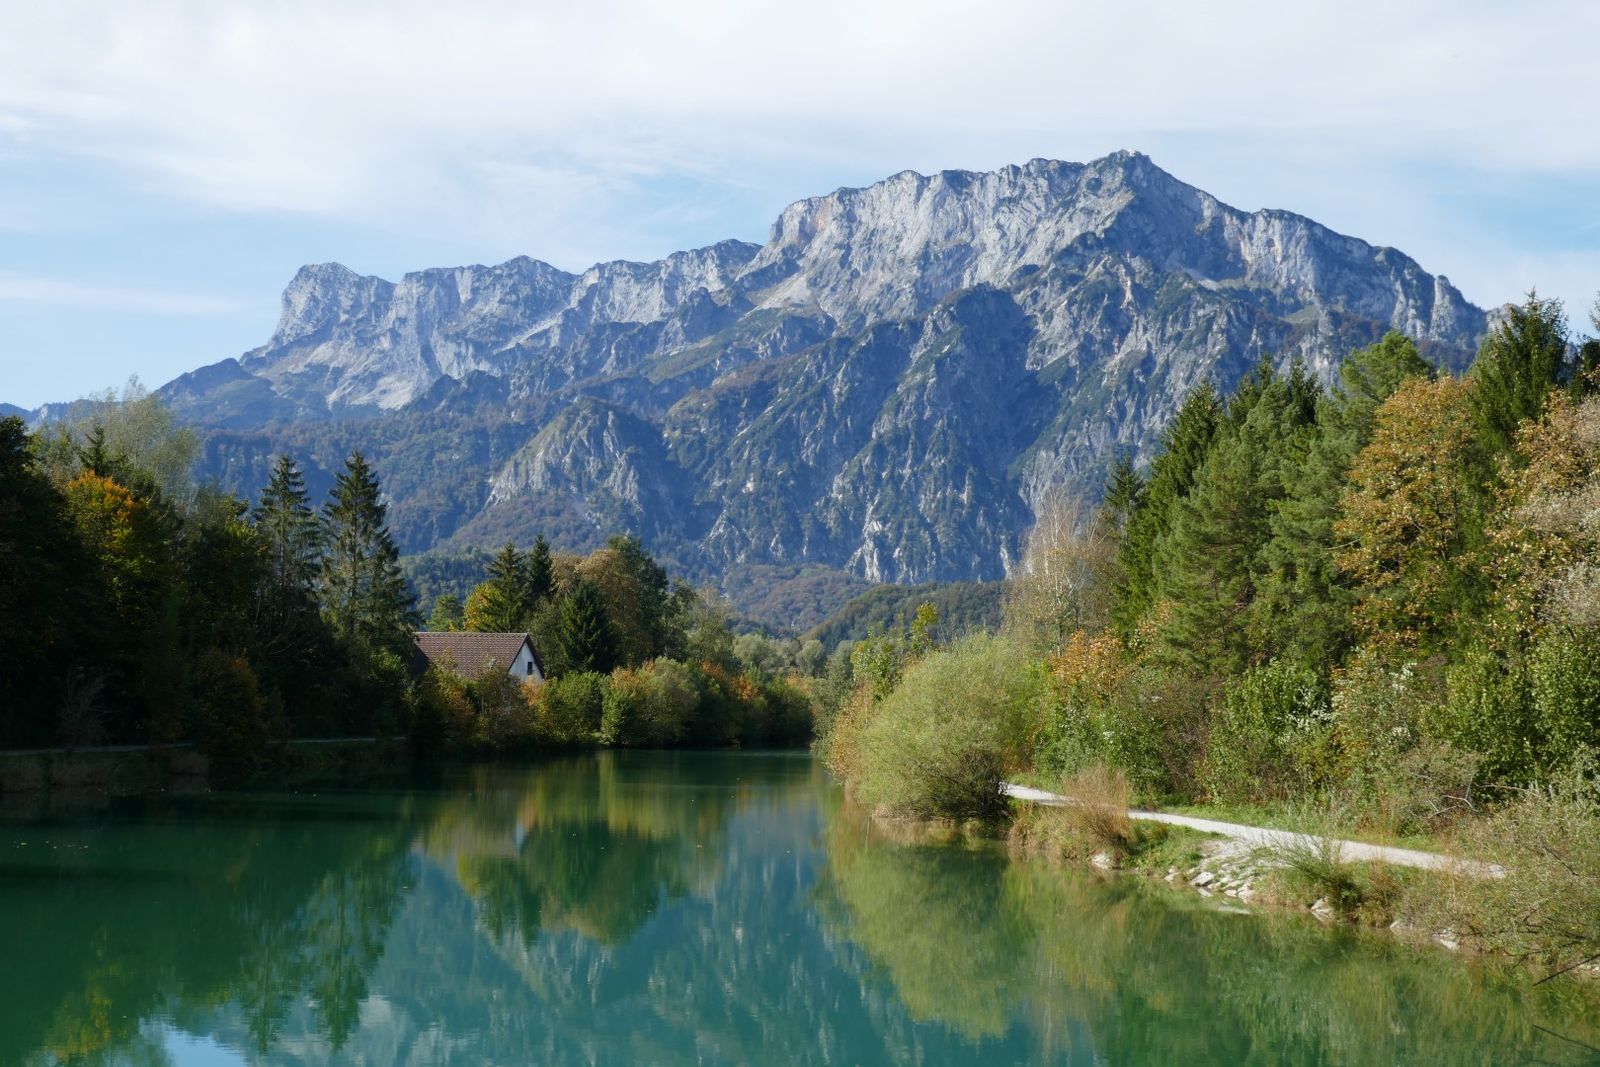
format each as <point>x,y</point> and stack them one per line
<point>472,654</point>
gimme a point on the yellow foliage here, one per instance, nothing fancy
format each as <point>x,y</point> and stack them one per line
<point>1096,663</point>
<point>1402,518</point>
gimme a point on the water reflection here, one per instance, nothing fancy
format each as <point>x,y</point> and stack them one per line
<point>660,908</point>
<point>1117,970</point>
<point>167,909</point>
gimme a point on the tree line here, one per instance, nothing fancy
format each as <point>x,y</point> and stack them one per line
<point>631,658</point>
<point>139,607</point>
<point>1378,597</point>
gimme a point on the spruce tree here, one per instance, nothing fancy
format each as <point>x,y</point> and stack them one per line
<point>1522,359</point>
<point>1183,448</point>
<point>1210,564</point>
<point>1124,487</point>
<point>584,632</point>
<point>363,591</point>
<point>1303,605</point>
<point>540,569</point>
<point>288,529</point>
<point>501,603</point>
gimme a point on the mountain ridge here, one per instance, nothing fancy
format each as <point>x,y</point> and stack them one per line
<point>890,384</point>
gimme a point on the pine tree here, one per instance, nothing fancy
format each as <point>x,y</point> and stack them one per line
<point>364,593</point>
<point>1210,566</point>
<point>1183,448</point>
<point>1522,359</point>
<point>503,601</point>
<point>1303,607</point>
<point>584,632</point>
<point>540,570</point>
<point>288,529</point>
<point>1124,487</point>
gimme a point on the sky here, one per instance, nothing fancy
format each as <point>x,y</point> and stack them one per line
<point>166,167</point>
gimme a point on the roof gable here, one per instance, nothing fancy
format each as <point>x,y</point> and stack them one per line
<point>471,654</point>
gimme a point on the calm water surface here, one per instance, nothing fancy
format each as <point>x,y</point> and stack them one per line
<point>673,908</point>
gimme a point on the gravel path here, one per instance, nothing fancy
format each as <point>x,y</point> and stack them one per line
<point>1263,837</point>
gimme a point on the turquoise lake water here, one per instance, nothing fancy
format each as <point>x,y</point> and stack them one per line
<point>675,908</point>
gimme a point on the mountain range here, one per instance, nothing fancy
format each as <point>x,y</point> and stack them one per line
<point>887,387</point>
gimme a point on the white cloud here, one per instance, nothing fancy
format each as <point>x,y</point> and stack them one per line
<point>567,125</point>
<point>54,292</point>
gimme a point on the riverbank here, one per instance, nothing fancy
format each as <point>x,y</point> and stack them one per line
<point>130,770</point>
<point>1334,879</point>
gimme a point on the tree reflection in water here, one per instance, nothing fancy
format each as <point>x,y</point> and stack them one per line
<point>691,907</point>
<point>1117,970</point>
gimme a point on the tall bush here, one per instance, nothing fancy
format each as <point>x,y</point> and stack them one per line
<point>939,744</point>
<point>1265,733</point>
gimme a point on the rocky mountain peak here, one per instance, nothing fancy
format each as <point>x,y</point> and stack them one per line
<point>889,384</point>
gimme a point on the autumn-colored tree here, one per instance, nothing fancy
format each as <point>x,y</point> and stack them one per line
<point>1304,601</point>
<point>1412,516</point>
<point>1065,581</point>
<point>1545,534</point>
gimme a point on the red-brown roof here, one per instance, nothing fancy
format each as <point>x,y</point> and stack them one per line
<point>471,654</point>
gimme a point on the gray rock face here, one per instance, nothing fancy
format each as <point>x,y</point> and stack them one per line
<point>890,383</point>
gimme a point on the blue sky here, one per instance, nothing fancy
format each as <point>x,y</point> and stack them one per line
<point>165,167</point>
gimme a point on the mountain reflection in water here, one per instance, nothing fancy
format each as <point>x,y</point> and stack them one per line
<point>675,908</point>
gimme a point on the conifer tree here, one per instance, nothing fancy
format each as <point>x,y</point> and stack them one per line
<point>1303,607</point>
<point>1210,564</point>
<point>540,570</point>
<point>503,602</point>
<point>1124,487</point>
<point>363,591</point>
<point>1183,448</point>
<point>584,633</point>
<point>44,609</point>
<point>1522,359</point>
<point>288,529</point>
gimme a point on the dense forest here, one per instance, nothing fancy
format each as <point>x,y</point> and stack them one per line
<point>1378,598</point>
<point>138,607</point>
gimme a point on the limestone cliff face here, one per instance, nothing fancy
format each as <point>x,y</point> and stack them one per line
<point>890,383</point>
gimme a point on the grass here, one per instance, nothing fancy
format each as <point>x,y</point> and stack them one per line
<point>1098,824</point>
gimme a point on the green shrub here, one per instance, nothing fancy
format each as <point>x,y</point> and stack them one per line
<point>441,713</point>
<point>1546,910</point>
<point>504,716</point>
<point>941,741</point>
<point>570,707</point>
<point>1146,722</point>
<point>1564,677</point>
<point>1380,710</point>
<point>1488,710</point>
<point>652,705</point>
<point>1265,733</point>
